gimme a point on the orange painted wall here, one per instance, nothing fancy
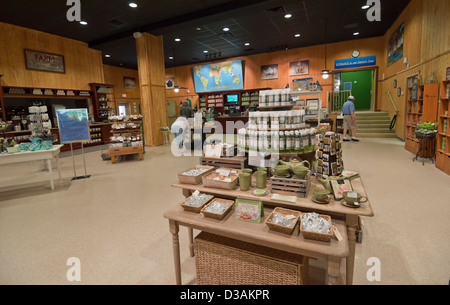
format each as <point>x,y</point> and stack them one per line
<point>252,65</point>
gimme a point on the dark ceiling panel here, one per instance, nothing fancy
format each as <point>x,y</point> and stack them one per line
<point>111,24</point>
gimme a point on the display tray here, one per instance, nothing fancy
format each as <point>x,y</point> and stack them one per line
<point>194,179</point>
<point>218,216</point>
<point>281,228</point>
<point>195,209</point>
<point>315,235</point>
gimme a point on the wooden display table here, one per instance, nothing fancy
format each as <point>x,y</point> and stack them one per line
<point>334,209</point>
<point>333,252</point>
<point>40,155</point>
<point>122,151</point>
<point>237,162</point>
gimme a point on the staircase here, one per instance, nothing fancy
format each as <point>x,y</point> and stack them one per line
<point>374,125</point>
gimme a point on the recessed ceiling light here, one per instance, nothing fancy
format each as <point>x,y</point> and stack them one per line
<point>83,22</point>
<point>133,5</point>
<point>287,16</point>
<point>247,44</point>
<point>206,51</point>
<point>365,7</point>
<point>107,55</point>
<point>170,57</point>
<point>177,39</point>
<point>356,34</point>
<point>198,29</point>
<point>297,35</point>
<point>226,29</point>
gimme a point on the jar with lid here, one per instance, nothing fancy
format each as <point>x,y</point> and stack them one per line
<point>265,120</point>
<point>282,142</point>
<point>289,120</point>
<point>282,119</point>
<point>276,94</point>
<point>288,141</point>
<point>297,142</point>
<point>275,141</point>
<point>275,123</point>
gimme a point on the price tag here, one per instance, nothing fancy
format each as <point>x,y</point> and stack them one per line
<point>196,193</point>
<point>337,234</point>
<point>352,195</point>
<point>224,172</point>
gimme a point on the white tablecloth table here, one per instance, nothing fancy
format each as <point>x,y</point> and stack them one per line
<point>41,155</point>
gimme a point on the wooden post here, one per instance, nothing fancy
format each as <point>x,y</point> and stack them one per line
<point>150,55</point>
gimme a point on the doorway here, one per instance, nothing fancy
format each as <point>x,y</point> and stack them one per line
<point>362,86</point>
<point>171,112</point>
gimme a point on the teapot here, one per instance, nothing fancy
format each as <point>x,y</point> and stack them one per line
<point>294,163</point>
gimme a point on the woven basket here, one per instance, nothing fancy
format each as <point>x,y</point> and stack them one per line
<point>194,209</point>
<point>194,179</point>
<point>225,261</point>
<point>218,216</point>
<point>209,182</point>
<point>316,235</point>
<point>280,228</point>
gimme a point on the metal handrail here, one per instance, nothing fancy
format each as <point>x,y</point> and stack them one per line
<point>394,119</point>
<point>336,100</point>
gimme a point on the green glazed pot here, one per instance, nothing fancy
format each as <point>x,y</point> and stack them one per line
<point>300,171</point>
<point>245,180</point>
<point>281,170</point>
<point>247,171</point>
<point>261,179</point>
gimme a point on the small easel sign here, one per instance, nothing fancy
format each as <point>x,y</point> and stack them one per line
<point>213,151</point>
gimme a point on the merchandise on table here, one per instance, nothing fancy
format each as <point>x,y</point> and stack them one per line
<point>196,202</point>
<point>194,175</point>
<point>329,155</point>
<point>217,208</point>
<point>316,227</point>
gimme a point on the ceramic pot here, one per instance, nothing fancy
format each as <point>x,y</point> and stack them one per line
<point>321,195</point>
<point>300,171</point>
<point>245,180</point>
<point>261,179</point>
<point>281,170</point>
<point>247,171</point>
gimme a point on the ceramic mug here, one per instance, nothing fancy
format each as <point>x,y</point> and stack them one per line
<point>353,200</point>
<point>281,170</point>
<point>245,180</point>
<point>300,171</point>
<point>322,195</point>
<point>247,171</point>
<point>261,179</point>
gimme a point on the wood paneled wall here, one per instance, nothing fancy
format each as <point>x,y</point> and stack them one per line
<point>83,65</point>
<point>427,48</point>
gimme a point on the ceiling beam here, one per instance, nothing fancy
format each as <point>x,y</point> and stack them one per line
<point>229,6</point>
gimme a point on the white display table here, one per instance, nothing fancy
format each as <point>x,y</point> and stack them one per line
<point>41,155</point>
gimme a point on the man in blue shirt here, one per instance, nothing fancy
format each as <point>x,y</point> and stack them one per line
<point>348,110</point>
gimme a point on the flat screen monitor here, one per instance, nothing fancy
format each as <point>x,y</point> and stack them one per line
<point>233,98</point>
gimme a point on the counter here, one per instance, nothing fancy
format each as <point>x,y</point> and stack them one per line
<point>234,123</point>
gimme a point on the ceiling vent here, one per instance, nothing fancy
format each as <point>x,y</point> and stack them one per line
<point>116,23</point>
<point>276,11</point>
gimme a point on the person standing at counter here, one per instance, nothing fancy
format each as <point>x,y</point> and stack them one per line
<point>186,110</point>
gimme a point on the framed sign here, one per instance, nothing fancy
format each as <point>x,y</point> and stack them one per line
<point>129,83</point>
<point>297,68</point>
<point>73,125</point>
<point>48,62</point>
<point>269,72</point>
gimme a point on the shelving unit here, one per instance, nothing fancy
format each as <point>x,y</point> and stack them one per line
<point>246,98</point>
<point>443,137</point>
<point>103,102</point>
<point>33,92</point>
<point>421,107</point>
<point>133,133</point>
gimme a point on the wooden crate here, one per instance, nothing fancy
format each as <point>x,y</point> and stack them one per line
<point>121,151</point>
<point>290,186</point>
<point>225,261</point>
<point>233,162</point>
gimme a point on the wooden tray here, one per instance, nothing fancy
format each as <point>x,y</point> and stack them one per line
<point>194,179</point>
<point>280,228</point>
<point>218,216</point>
<point>316,235</point>
<point>194,209</point>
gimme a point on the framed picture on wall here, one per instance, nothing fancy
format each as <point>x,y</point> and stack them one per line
<point>48,62</point>
<point>170,83</point>
<point>129,83</point>
<point>269,72</point>
<point>395,45</point>
<point>297,68</point>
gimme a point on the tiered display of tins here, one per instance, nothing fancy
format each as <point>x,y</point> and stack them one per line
<point>329,155</point>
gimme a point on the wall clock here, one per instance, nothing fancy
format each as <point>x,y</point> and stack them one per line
<point>355,54</point>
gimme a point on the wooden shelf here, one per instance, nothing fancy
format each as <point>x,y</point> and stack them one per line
<point>276,107</point>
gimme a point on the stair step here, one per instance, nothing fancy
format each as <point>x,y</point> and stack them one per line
<point>362,117</point>
<point>374,130</point>
<point>372,113</point>
<point>381,126</point>
<point>376,135</point>
<point>373,121</point>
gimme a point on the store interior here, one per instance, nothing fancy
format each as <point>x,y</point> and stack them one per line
<point>277,72</point>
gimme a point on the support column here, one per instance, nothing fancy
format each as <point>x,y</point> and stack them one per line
<point>150,55</point>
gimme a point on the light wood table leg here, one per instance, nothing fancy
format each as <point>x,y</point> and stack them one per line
<point>352,223</point>
<point>174,229</point>
<point>50,171</point>
<point>334,271</point>
<point>59,167</point>
<point>191,241</point>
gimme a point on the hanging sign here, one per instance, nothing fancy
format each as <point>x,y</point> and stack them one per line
<point>73,125</point>
<point>355,62</point>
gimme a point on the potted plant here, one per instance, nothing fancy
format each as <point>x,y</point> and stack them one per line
<point>426,130</point>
